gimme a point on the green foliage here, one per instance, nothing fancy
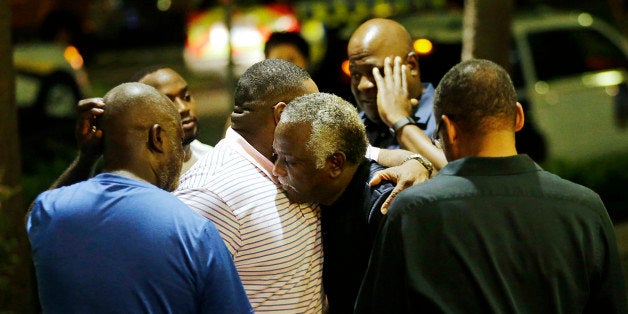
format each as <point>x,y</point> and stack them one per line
<point>40,172</point>
<point>13,258</point>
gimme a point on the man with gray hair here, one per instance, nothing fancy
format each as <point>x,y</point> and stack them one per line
<point>320,142</point>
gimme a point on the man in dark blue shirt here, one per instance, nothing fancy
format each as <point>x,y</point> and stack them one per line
<point>395,105</point>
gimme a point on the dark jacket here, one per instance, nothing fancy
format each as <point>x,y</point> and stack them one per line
<point>349,227</point>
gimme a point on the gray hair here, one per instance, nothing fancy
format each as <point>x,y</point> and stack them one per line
<point>336,126</point>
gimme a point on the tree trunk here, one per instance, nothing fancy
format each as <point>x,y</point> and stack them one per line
<point>15,262</point>
<point>486,30</point>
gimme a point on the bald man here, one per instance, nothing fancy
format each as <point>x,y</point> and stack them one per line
<point>395,105</point>
<point>120,242</point>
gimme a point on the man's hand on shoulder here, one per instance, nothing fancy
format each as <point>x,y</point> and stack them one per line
<point>404,176</point>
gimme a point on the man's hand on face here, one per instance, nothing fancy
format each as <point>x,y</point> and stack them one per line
<point>88,135</point>
<point>393,102</point>
<point>405,175</point>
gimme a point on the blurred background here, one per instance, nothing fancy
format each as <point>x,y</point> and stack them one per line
<point>566,56</point>
<point>68,50</point>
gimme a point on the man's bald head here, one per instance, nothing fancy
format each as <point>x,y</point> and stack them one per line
<point>371,43</point>
<point>135,106</point>
<point>142,134</point>
<point>382,34</point>
<point>133,97</point>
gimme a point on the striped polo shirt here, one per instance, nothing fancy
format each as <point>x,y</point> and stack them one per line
<point>276,245</point>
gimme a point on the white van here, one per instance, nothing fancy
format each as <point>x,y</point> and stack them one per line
<point>571,74</point>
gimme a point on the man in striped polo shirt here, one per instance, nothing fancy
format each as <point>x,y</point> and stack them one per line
<point>276,245</point>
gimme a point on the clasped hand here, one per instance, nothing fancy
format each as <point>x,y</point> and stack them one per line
<point>404,176</point>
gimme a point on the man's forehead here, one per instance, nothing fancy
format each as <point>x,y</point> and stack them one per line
<point>379,46</point>
<point>283,143</point>
<point>368,55</point>
<point>165,80</point>
<point>368,61</point>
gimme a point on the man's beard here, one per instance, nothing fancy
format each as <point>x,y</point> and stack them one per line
<point>188,140</point>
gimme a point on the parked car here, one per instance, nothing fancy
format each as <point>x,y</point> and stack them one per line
<point>50,79</point>
<point>571,75</point>
<point>570,71</point>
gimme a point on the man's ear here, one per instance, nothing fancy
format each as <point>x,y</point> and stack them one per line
<point>520,120</point>
<point>412,60</point>
<point>336,164</point>
<point>277,110</point>
<point>451,127</point>
<point>156,138</point>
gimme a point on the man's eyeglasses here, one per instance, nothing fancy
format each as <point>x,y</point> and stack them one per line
<point>436,139</point>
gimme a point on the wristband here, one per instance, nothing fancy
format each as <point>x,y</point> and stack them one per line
<point>424,161</point>
<point>372,152</point>
<point>400,124</point>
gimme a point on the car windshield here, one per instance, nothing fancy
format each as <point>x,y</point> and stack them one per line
<point>567,52</point>
<point>436,64</point>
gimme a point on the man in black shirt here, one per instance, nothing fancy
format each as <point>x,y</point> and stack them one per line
<point>320,144</point>
<point>492,232</point>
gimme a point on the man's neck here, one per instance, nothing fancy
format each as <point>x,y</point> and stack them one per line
<point>342,183</point>
<point>127,174</point>
<point>259,144</point>
<point>495,144</point>
<point>187,153</point>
